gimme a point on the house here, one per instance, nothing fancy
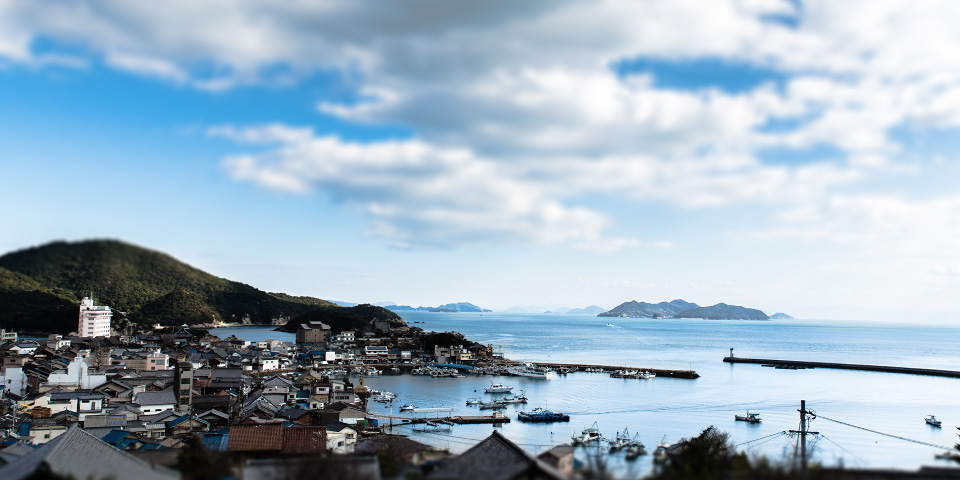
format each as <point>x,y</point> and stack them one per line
<point>273,437</point>
<point>496,457</point>
<point>80,402</point>
<point>77,375</point>
<point>78,454</point>
<point>402,448</point>
<point>341,438</point>
<point>560,458</point>
<point>155,402</point>
<point>313,332</point>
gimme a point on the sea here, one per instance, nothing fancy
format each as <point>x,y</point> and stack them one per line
<point>862,419</point>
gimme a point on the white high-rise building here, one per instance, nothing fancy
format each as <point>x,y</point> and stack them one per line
<point>94,320</point>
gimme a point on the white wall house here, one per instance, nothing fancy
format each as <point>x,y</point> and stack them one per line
<point>94,320</point>
<point>77,375</point>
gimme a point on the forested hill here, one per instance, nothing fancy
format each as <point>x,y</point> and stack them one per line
<point>151,287</point>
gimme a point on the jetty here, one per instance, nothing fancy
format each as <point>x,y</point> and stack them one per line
<point>661,373</point>
<point>798,364</point>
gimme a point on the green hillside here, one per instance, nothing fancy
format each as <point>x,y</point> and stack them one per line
<point>151,287</point>
<point>359,318</point>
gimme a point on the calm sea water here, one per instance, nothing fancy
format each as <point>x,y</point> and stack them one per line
<point>672,409</point>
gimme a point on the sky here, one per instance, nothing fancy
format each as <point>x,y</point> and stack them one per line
<point>791,156</point>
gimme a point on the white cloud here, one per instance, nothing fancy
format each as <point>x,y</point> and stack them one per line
<point>516,110</point>
<point>415,194</point>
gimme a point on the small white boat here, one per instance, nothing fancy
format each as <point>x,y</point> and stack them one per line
<point>532,371</point>
<point>498,388</point>
<point>647,375</point>
<point>590,434</point>
<point>407,408</point>
<point>496,405</point>
<point>749,417</point>
<point>474,401</point>
<point>931,420</point>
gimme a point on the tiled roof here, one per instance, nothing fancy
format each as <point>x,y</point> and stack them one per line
<point>155,398</point>
<point>495,458</point>
<point>274,437</point>
<point>304,439</point>
<point>81,455</point>
<point>255,438</point>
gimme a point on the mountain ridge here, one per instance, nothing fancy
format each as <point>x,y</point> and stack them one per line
<point>148,285</point>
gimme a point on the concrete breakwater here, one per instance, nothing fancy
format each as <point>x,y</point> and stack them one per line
<point>685,374</point>
<point>845,366</point>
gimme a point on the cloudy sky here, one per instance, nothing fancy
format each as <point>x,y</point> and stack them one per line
<point>788,156</point>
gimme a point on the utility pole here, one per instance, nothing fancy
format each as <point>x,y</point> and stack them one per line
<point>803,436</point>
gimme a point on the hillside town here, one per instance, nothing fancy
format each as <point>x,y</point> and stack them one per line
<point>263,407</point>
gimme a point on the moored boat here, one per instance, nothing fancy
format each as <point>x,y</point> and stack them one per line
<point>590,434</point>
<point>539,415</point>
<point>635,448</point>
<point>495,405</point>
<point>407,408</point>
<point>931,420</point>
<point>622,440</point>
<point>498,388</point>
<point>474,401</point>
<point>532,371</point>
<point>749,417</point>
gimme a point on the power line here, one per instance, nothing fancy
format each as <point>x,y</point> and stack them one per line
<point>884,434</point>
<point>784,432</point>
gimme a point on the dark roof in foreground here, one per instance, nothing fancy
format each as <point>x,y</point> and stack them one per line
<point>495,458</point>
<point>81,455</point>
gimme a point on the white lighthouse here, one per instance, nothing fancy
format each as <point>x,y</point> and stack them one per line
<point>94,320</point>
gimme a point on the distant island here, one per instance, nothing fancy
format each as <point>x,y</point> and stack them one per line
<point>446,308</point>
<point>780,316</point>
<point>684,309</point>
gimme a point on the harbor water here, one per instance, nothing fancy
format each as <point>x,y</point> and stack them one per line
<point>890,405</point>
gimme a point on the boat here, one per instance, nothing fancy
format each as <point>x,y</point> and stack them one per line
<point>660,453</point>
<point>590,434</point>
<point>635,448</point>
<point>474,401</point>
<point>749,417</point>
<point>407,408</point>
<point>645,375</point>
<point>931,420</point>
<point>495,405</point>
<point>521,398</point>
<point>539,415</point>
<point>622,440</point>
<point>498,388</point>
<point>532,371</point>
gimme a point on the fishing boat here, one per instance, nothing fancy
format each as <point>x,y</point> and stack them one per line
<point>495,405</point>
<point>532,371</point>
<point>749,417</point>
<point>590,434</point>
<point>520,398</point>
<point>646,375</point>
<point>498,388</point>
<point>660,453</point>
<point>407,408</point>
<point>622,440</point>
<point>474,401</point>
<point>931,420</point>
<point>635,448</point>
<point>539,415</point>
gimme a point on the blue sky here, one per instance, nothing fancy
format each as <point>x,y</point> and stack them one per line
<point>787,156</point>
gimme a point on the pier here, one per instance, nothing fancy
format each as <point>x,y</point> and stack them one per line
<point>661,373</point>
<point>843,366</point>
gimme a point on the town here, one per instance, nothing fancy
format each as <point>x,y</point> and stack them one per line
<point>264,406</point>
